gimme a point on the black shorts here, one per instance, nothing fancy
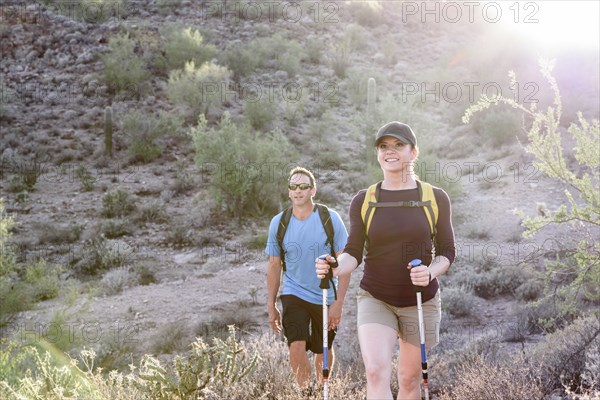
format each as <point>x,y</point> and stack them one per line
<point>304,321</point>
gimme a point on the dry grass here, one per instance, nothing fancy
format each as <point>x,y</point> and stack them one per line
<point>480,379</point>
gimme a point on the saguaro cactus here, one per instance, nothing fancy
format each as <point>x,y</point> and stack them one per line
<point>108,131</point>
<point>371,95</point>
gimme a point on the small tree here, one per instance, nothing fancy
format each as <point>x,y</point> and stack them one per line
<point>185,45</point>
<point>199,88</point>
<point>244,167</point>
<point>582,211</point>
<point>124,71</point>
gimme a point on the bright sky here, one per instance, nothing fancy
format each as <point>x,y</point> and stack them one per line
<point>555,24</point>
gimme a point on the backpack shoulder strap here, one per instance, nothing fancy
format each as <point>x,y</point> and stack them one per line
<point>325,216</point>
<point>429,205</point>
<point>427,202</point>
<point>327,225</point>
<point>281,229</point>
<point>368,206</point>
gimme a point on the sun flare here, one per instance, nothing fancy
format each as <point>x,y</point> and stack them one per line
<point>557,24</point>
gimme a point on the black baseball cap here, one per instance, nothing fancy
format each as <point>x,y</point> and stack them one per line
<point>397,130</point>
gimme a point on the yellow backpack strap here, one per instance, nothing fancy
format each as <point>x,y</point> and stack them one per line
<point>368,208</point>
<point>429,206</point>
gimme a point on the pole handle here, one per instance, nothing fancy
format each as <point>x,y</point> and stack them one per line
<point>332,264</point>
<point>415,263</point>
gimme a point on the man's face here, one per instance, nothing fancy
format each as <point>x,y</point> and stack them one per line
<point>303,190</point>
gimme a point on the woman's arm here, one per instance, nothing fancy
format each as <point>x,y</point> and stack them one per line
<point>346,264</point>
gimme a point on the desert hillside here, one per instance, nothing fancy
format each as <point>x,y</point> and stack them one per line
<point>145,147</point>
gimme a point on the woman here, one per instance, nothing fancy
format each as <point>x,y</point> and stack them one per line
<point>396,235</point>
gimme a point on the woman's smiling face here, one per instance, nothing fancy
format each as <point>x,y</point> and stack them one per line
<point>394,155</point>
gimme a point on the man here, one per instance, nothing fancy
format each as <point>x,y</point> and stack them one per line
<point>301,297</point>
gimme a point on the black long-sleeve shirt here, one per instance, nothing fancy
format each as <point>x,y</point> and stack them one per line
<point>398,235</point>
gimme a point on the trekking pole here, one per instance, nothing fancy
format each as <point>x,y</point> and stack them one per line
<point>325,286</point>
<point>418,289</point>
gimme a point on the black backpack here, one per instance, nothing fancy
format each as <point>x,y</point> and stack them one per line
<point>327,226</point>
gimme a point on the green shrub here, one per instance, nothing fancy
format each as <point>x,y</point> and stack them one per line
<point>240,59</point>
<point>542,316</point>
<point>146,272</point>
<point>184,181</point>
<point>499,281</point>
<point>21,286</point>
<point>142,130</point>
<point>117,203</point>
<point>116,227</point>
<point>13,294</point>
<point>279,53</point>
<point>103,254</point>
<point>14,297</point>
<point>26,178</point>
<point>198,88</point>
<point>43,281</point>
<point>531,289</point>
<point>340,59</point>
<point>184,45</point>
<point>179,235</point>
<point>243,165</point>
<point>124,71</point>
<point>314,49</point>
<point>87,180</point>
<point>490,279</point>
<point>261,113</point>
<point>457,301</point>
<point>208,368</point>
<point>294,111</point>
<point>154,212</point>
<point>55,335</point>
<point>357,38</point>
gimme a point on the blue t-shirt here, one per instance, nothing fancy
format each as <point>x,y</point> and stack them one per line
<point>303,242</point>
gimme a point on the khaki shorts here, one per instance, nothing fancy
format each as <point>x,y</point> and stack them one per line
<point>403,320</point>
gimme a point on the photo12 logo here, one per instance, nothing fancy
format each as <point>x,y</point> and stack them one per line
<point>455,92</point>
<point>270,11</point>
<point>92,11</point>
<point>469,11</point>
<point>287,91</point>
<point>73,333</point>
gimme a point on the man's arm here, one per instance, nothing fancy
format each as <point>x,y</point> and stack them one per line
<point>273,283</point>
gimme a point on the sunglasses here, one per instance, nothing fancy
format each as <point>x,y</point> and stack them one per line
<point>301,186</point>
